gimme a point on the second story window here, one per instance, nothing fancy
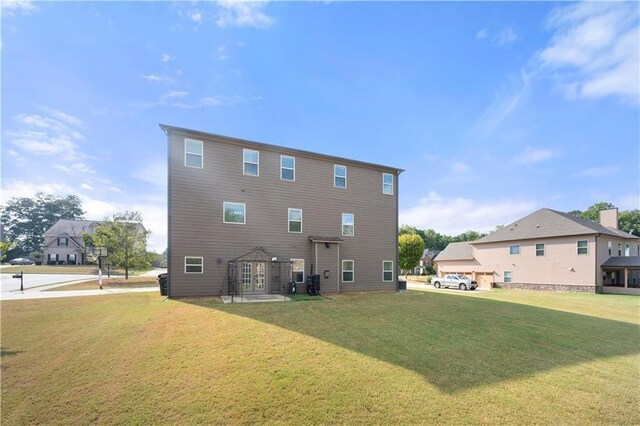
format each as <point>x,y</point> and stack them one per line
<point>287,168</point>
<point>627,249</point>
<point>348,227</point>
<point>387,183</point>
<point>540,249</point>
<point>63,242</point>
<point>251,162</point>
<point>193,153</point>
<point>235,213</point>
<point>583,247</point>
<point>340,176</point>
<point>514,249</point>
<point>609,247</point>
<point>295,220</point>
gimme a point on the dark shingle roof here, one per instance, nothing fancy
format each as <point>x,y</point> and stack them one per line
<point>622,262</point>
<point>545,223</point>
<point>72,228</point>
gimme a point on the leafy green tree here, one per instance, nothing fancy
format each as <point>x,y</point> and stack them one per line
<point>125,238</point>
<point>630,221</point>
<point>593,212</point>
<point>5,246</point>
<point>410,249</point>
<point>25,220</point>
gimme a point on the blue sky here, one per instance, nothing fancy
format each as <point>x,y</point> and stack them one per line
<point>494,109</point>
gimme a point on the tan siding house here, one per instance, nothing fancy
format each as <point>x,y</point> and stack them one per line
<point>63,242</point>
<point>330,216</point>
<point>551,250</point>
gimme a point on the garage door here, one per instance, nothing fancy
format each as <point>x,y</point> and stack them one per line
<point>484,279</point>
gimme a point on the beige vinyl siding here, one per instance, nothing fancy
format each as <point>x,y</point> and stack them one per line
<point>196,211</point>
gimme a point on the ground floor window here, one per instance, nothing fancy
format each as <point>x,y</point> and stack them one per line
<point>297,270</point>
<point>53,258</point>
<point>347,271</point>
<point>193,265</point>
<point>387,270</point>
<point>507,276</point>
<point>71,259</point>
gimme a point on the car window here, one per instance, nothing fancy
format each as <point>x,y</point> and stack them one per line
<point>462,277</point>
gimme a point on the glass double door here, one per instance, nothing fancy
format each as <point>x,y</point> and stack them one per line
<point>254,277</point>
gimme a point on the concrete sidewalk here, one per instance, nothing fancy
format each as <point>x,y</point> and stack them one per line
<point>27,294</point>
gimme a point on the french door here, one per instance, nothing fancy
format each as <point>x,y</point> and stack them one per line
<point>254,277</point>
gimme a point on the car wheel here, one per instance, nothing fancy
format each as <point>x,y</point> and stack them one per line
<point>436,284</point>
<point>462,287</point>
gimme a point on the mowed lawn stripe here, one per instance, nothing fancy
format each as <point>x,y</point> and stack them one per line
<point>418,357</point>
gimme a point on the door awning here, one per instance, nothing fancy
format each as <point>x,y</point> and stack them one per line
<point>327,240</point>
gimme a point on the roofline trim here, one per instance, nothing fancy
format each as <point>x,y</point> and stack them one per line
<point>237,141</point>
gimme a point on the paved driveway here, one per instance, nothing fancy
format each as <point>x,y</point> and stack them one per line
<point>36,280</point>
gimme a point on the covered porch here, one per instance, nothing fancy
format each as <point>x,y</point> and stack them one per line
<point>621,275</point>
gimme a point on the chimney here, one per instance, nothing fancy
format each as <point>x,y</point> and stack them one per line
<point>609,218</point>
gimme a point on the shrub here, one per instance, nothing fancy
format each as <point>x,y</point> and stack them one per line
<point>429,278</point>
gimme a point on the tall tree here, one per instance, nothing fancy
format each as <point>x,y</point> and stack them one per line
<point>630,221</point>
<point>26,219</point>
<point>410,249</point>
<point>125,238</point>
<point>593,212</point>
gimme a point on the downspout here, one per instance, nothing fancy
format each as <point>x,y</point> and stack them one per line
<point>597,269</point>
<point>168,212</point>
<point>397,266</point>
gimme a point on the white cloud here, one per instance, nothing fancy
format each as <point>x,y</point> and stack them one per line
<point>210,101</point>
<point>13,7</point>
<point>44,135</point>
<point>158,78</point>
<point>504,104</point>
<point>176,94</point>
<point>223,57</point>
<point>460,167</point>
<point>595,50</point>
<point>482,34</point>
<point>597,172</point>
<point>506,36</point>
<point>13,153</point>
<point>456,215</point>
<point>195,15</point>
<point>86,186</point>
<point>153,172</point>
<point>167,57</point>
<point>240,44</point>
<point>243,14</point>
<point>536,155</point>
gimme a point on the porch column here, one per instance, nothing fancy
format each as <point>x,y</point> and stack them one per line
<point>624,278</point>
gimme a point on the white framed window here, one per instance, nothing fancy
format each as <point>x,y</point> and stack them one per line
<point>287,168</point>
<point>609,247</point>
<point>627,249</point>
<point>71,257</point>
<point>193,153</point>
<point>540,249</point>
<point>619,249</point>
<point>387,270</point>
<point>297,270</point>
<point>583,247</point>
<point>507,276</point>
<point>514,249</point>
<point>53,257</point>
<point>295,220</point>
<point>246,276</point>
<point>63,242</point>
<point>234,213</point>
<point>348,271</point>
<point>250,162</point>
<point>348,224</point>
<point>339,176</point>
<point>387,183</point>
<point>193,264</point>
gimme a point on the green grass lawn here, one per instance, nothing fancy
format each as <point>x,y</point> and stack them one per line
<point>62,269</point>
<point>417,357</point>
<point>110,283</point>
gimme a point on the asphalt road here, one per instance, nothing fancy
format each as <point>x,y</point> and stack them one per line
<point>35,280</point>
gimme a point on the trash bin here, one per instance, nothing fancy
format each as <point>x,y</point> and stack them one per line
<point>402,285</point>
<point>162,280</point>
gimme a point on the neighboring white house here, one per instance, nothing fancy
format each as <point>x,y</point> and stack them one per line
<point>551,250</point>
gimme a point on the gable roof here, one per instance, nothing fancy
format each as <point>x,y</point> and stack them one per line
<point>546,223</point>
<point>455,251</point>
<point>71,228</point>
<point>430,252</point>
